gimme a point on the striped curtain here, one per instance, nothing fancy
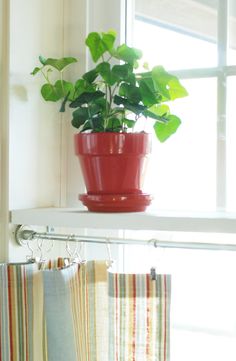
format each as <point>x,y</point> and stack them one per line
<point>82,313</point>
<point>139,311</point>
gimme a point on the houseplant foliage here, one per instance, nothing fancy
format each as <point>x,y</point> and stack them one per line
<point>114,95</point>
<point>108,104</point>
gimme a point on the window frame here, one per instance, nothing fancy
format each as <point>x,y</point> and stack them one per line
<point>221,73</point>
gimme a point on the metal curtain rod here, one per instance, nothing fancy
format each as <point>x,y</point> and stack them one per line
<point>23,235</point>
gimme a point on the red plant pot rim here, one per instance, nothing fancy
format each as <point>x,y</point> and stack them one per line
<point>112,143</point>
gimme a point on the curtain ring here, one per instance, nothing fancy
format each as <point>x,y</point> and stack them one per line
<point>68,249</point>
<point>30,258</point>
<point>78,252</point>
<point>40,243</point>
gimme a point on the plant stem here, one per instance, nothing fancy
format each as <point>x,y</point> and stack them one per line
<point>110,97</point>
<point>62,84</point>
<point>107,107</point>
<point>114,90</point>
<point>90,117</point>
<point>46,77</point>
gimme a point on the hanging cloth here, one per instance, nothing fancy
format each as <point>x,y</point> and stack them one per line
<point>82,313</point>
<point>139,311</point>
<point>52,313</point>
<point>91,311</point>
<point>76,312</point>
<point>58,313</point>
<point>21,313</point>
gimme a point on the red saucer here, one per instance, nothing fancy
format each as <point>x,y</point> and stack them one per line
<point>116,202</point>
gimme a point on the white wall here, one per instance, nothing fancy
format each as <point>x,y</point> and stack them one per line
<point>43,171</point>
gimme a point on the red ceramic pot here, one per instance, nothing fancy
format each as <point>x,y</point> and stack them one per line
<point>113,163</point>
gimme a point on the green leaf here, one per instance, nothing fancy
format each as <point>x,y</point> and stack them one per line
<point>97,124</point>
<point>135,108</point>
<point>49,93</point>
<point>80,115</point>
<point>94,110</point>
<point>35,71</point>
<point>60,64</point>
<point>164,130</point>
<point>148,92</point>
<point>129,123</point>
<point>90,76</point>
<point>82,86</point>
<point>86,126</point>
<point>99,44</point>
<point>127,54</point>
<point>160,118</point>
<point>109,39</point>
<point>42,60</point>
<point>63,88</point>
<point>122,71</point>
<point>114,125</point>
<point>86,98</point>
<point>96,46</point>
<point>160,109</point>
<point>104,69</point>
<point>131,92</point>
<point>167,84</point>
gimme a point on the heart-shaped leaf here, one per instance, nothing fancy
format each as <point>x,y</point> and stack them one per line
<point>167,84</point>
<point>164,130</point>
<point>99,44</point>
<point>63,88</point>
<point>127,54</point>
<point>49,93</point>
<point>104,69</point>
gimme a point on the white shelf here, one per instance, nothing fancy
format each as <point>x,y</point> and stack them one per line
<point>164,221</point>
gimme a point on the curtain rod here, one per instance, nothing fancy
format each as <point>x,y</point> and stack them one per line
<point>24,235</point>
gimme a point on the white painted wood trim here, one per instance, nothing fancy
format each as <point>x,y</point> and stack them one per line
<point>4,128</point>
<point>219,222</point>
<point>222,46</point>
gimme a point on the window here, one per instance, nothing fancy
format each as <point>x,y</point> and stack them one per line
<point>203,317</point>
<point>195,169</point>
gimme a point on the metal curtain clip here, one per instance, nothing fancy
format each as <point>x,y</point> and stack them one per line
<point>153,274</point>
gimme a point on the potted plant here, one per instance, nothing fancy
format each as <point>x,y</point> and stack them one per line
<point>108,102</point>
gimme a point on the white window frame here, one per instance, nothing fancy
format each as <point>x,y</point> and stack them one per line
<point>4,128</point>
<point>221,72</point>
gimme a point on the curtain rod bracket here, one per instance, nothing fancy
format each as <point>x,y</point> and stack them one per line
<point>23,235</point>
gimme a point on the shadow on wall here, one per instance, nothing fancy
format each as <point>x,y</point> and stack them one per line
<point>20,92</point>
